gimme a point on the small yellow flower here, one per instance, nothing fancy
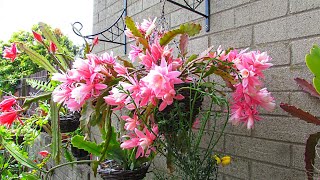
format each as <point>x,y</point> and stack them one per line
<point>217,159</point>
<point>226,160</point>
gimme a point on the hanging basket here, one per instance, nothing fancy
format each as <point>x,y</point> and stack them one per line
<point>80,154</point>
<point>177,115</point>
<point>111,171</point>
<point>69,122</point>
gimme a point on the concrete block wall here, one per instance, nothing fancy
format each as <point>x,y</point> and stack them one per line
<point>286,29</point>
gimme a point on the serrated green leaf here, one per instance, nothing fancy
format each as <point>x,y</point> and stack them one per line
<point>316,83</point>
<point>12,149</point>
<point>91,147</point>
<point>37,58</point>
<point>56,135</point>
<point>68,155</point>
<point>188,28</point>
<point>313,60</point>
<point>132,27</point>
<point>313,63</point>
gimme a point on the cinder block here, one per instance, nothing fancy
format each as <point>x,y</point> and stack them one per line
<point>298,158</point>
<point>305,102</point>
<point>282,78</point>
<point>149,3</point>
<point>237,38</point>
<point>117,6</point>
<point>290,27</point>
<point>260,11</point>
<point>220,5</point>
<point>222,21</point>
<point>301,48</point>
<point>135,8</point>
<point>284,129</point>
<point>258,149</point>
<point>196,46</point>
<point>297,5</point>
<point>239,168</point>
<point>101,5</point>
<point>176,19</point>
<point>103,15</point>
<point>266,171</point>
<point>279,52</point>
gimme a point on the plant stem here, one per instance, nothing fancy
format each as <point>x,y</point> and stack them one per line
<point>64,164</point>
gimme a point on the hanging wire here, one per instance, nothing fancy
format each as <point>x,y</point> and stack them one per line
<point>165,25</point>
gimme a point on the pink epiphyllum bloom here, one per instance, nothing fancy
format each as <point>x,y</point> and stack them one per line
<point>52,47</point>
<point>145,141</point>
<point>134,53</point>
<point>7,118</point>
<point>108,58</point>
<point>131,123</point>
<point>95,40</point>
<point>142,140</point>
<point>128,33</point>
<point>10,52</point>
<point>44,154</point>
<point>147,26</point>
<point>120,69</point>
<point>6,105</point>
<point>37,36</point>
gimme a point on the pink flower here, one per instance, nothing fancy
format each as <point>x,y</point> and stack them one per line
<point>10,52</point>
<point>131,123</point>
<point>7,118</point>
<point>6,105</point>
<point>37,36</point>
<point>52,47</point>
<point>128,33</point>
<point>108,58</point>
<point>142,140</point>
<point>44,154</point>
<point>148,25</point>
<point>120,69</point>
<point>134,53</point>
<point>95,40</point>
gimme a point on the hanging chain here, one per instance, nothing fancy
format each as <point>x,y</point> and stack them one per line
<point>165,25</point>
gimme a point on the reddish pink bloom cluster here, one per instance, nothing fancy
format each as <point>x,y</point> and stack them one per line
<point>9,111</point>
<point>84,81</point>
<point>44,154</point>
<point>249,94</point>
<point>10,52</point>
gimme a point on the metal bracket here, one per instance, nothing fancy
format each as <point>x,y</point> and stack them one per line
<point>193,8</point>
<point>111,34</point>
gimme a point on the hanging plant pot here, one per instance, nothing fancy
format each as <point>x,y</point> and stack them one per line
<point>177,115</point>
<point>80,154</point>
<point>69,122</point>
<point>112,171</point>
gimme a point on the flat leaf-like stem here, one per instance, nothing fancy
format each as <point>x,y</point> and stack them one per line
<point>307,87</point>
<point>310,154</point>
<point>189,28</point>
<point>294,111</point>
<point>91,147</point>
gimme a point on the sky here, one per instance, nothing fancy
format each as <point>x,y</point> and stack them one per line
<point>18,15</point>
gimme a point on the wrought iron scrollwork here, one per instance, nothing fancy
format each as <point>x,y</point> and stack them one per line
<point>193,8</point>
<point>111,34</point>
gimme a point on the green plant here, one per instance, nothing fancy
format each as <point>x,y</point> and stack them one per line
<point>23,66</point>
<point>313,63</point>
